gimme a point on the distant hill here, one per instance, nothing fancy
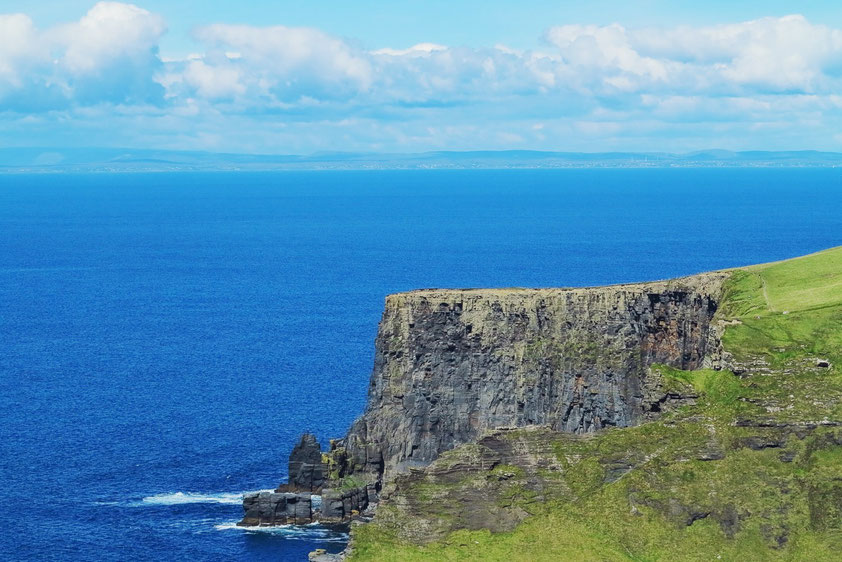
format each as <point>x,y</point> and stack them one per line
<point>40,159</point>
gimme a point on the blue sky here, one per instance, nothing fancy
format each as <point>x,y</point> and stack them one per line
<point>301,77</point>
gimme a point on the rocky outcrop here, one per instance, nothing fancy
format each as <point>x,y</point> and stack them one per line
<point>262,509</point>
<point>451,364</point>
<point>306,469</point>
<point>302,500</point>
<point>341,505</point>
<point>321,555</point>
<point>277,508</point>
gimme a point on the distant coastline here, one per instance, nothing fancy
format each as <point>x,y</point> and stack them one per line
<point>86,160</point>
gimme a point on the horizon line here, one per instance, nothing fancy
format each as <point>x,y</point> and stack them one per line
<point>94,159</point>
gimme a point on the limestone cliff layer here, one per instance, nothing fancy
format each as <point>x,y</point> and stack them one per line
<point>451,364</point>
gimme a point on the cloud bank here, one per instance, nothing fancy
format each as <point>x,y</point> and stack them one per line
<point>766,83</point>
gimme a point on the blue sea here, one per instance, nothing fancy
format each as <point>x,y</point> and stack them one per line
<point>165,338</point>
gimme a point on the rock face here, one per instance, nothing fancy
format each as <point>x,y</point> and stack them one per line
<point>306,470</point>
<point>451,364</point>
<point>341,505</point>
<point>273,508</point>
<point>262,509</point>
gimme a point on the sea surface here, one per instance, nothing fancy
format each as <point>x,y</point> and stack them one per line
<point>165,338</point>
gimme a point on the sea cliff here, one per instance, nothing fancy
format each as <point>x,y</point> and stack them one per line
<point>672,420</point>
<point>452,364</point>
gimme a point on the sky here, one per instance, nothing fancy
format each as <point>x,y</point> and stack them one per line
<point>278,77</point>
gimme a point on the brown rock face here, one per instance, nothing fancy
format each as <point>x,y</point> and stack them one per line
<point>451,364</point>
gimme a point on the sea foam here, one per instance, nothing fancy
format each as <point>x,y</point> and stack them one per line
<point>179,498</point>
<point>310,532</point>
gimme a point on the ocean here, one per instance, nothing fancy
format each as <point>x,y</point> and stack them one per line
<point>165,338</point>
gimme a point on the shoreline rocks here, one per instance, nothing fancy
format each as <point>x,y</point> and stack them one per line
<point>273,508</point>
<point>305,498</point>
<point>342,505</point>
<point>265,509</point>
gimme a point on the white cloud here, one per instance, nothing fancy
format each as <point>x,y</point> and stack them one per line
<point>19,48</point>
<point>589,48</point>
<point>769,54</point>
<point>285,62</point>
<point>594,82</point>
<point>419,50</point>
<point>110,31</point>
<point>214,82</point>
<point>109,55</point>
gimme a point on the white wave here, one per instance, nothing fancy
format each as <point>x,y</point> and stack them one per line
<point>310,532</point>
<point>179,498</point>
<point>182,498</point>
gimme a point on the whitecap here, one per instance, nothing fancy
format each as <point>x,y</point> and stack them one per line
<point>179,498</point>
<point>311,532</point>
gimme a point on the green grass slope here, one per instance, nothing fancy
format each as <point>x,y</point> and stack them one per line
<point>751,471</point>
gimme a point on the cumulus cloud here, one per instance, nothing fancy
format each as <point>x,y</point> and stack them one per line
<point>219,81</point>
<point>606,54</point>
<point>20,45</point>
<point>109,55</point>
<point>787,54</point>
<point>605,82</point>
<point>110,31</point>
<point>21,50</point>
<point>283,63</point>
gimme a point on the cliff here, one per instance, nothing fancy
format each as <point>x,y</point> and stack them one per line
<point>695,419</point>
<point>689,419</point>
<point>452,364</point>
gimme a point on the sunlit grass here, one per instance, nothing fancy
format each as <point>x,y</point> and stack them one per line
<point>802,283</point>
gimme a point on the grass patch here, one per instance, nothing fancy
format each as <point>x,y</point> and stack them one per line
<point>803,283</point>
<point>786,310</point>
<point>718,387</point>
<point>349,483</point>
<point>747,506</point>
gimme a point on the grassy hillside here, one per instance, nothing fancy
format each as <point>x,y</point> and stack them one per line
<point>751,471</point>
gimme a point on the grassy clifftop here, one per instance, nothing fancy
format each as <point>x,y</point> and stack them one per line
<point>750,468</point>
<point>785,309</point>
